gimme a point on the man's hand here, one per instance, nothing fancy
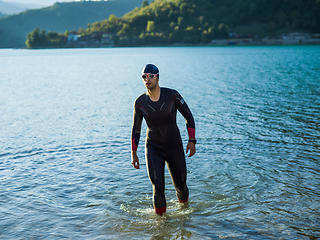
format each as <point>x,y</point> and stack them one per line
<point>192,147</point>
<point>135,160</point>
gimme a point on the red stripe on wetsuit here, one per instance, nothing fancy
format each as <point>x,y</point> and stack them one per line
<point>191,133</point>
<point>133,145</point>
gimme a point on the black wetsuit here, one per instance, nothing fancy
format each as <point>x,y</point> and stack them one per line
<point>163,142</point>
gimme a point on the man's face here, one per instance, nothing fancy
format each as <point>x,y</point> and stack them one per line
<point>150,80</point>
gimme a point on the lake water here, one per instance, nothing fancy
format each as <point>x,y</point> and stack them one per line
<point>66,117</point>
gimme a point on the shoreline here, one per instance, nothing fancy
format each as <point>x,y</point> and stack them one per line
<point>218,43</point>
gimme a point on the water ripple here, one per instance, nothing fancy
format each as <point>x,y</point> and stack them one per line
<point>65,167</point>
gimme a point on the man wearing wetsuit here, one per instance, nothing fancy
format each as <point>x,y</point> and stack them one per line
<point>158,106</point>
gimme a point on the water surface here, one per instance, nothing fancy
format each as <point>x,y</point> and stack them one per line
<point>66,117</point>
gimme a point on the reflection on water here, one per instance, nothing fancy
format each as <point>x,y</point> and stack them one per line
<point>65,128</point>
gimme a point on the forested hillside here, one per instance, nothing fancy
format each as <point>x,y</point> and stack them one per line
<point>59,18</point>
<point>195,21</point>
<point>200,21</point>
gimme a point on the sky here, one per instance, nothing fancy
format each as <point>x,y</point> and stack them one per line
<point>39,2</point>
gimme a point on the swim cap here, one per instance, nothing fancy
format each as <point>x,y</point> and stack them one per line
<point>150,68</point>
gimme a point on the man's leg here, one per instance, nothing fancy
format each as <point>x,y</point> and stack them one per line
<point>155,166</point>
<point>178,170</point>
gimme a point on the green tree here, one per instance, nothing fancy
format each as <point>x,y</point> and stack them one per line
<point>150,26</point>
<point>112,18</point>
<point>145,4</point>
<point>295,18</point>
<point>282,19</point>
<point>183,8</point>
<point>53,39</point>
<point>222,31</point>
<point>81,31</point>
<point>124,30</point>
<point>36,39</point>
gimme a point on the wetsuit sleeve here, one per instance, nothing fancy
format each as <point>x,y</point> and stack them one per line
<point>186,113</point>
<point>136,127</point>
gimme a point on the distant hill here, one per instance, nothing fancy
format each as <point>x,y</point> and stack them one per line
<point>9,8</point>
<point>59,18</point>
<point>2,15</point>
<point>13,8</point>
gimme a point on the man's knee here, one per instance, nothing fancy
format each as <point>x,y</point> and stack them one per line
<point>183,193</point>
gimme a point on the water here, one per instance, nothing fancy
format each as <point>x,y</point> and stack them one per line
<point>66,117</point>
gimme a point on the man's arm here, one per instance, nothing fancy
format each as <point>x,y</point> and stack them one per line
<point>135,137</point>
<point>186,113</point>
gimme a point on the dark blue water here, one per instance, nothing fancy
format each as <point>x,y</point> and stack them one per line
<point>65,129</point>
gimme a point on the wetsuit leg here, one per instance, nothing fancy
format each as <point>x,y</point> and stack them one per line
<point>155,165</point>
<point>176,164</point>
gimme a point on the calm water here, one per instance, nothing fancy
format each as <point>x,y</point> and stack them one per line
<point>65,128</point>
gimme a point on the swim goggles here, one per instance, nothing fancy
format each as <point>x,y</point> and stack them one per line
<point>144,76</point>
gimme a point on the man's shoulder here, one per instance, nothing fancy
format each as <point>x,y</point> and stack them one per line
<point>141,98</point>
<point>168,90</point>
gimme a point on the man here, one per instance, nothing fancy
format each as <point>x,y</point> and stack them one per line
<point>158,106</point>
